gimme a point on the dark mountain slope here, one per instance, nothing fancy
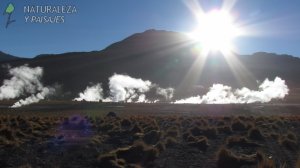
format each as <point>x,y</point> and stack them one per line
<point>7,57</point>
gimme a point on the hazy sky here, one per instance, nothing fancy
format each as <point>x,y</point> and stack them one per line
<point>274,24</point>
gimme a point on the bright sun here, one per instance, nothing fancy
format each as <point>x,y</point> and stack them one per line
<point>216,31</point>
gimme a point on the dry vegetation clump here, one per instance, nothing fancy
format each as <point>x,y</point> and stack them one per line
<point>152,137</point>
<point>200,143</point>
<point>138,136</point>
<point>239,125</point>
<point>298,163</point>
<point>186,122</point>
<point>16,131</point>
<point>107,160</point>
<point>138,153</point>
<point>255,134</point>
<point>279,122</point>
<point>126,123</point>
<point>210,132</point>
<point>7,133</point>
<point>96,121</point>
<point>240,141</point>
<point>136,129</point>
<point>273,127</point>
<point>105,127</point>
<point>172,132</point>
<point>228,159</point>
<point>189,137</point>
<point>225,130</point>
<point>274,135</point>
<point>97,139</point>
<point>8,137</point>
<point>288,143</point>
<point>196,131</point>
<point>227,118</point>
<point>151,127</point>
<point>264,162</point>
<point>221,123</point>
<point>160,146</point>
<point>25,166</point>
<point>111,114</point>
<point>116,131</point>
<point>131,156</point>
<point>170,142</point>
<point>110,160</point>
<point>261,119</point>
<point>291,136</point>
<point>242,118</point>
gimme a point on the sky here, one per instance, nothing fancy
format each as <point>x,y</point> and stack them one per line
<point>273,25</point>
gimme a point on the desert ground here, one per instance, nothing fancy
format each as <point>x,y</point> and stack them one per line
<point>82,134</point>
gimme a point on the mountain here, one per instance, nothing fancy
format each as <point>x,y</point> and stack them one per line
<point>7,57</point>
<point>165,58</point>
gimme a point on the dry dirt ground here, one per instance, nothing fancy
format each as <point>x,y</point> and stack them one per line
<point>60,134</point>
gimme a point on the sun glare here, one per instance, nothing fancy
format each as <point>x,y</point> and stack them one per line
<point>216,31</point>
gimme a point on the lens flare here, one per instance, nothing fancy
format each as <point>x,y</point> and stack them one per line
<point>216,31</point>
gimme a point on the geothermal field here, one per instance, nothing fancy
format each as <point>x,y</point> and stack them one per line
<point>126,121</point>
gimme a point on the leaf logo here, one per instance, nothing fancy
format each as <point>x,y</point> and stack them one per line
<point>9,11</point>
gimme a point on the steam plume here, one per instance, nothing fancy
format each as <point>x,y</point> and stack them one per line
<point>222,94</point>
<point>167,93</point>
<point>24,81</point>
<point>123,88</point>
<point>126,88</point>
<point>93,93</point>
<point>34,98</point>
